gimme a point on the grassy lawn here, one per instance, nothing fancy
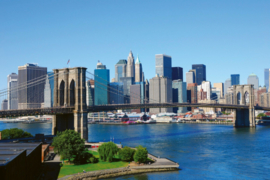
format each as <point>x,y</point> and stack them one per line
<point>73,169</point>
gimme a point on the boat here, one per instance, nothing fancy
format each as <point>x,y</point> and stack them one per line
<point>150,121</point>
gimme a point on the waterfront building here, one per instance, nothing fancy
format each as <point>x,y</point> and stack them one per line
<point>120,69</point>
<point>116,93</point>
<point>179,90</point>
<point>200,73</point>
<point>191,94</point>
<point>48,90</point>
<point>135,96</point>
<point>227,85</point>
<point>102,80</point>
<point>220,87</point>
<point>235,79</point>
<point>160,91</point>
<point>31,80</point>
<point>266,78</point>
<point>164,65</point>
<point>4,104</point>
<point>127,82</point>
<point>190,78</point>
<point>130,66</point>
<point>90,93</point>
<point>12,83</point>
<point>138,71</point>
<point>177,73</point>
<point>253,79</point>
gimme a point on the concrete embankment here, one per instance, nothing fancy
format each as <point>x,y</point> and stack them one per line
<point>208,122</point>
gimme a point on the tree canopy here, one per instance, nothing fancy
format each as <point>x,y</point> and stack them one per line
<point>107,151</point>
<point>261,115</point>
<point>68,144</point>
<point>14,133</point>
<point>141,154</point>
<point>126,154</point>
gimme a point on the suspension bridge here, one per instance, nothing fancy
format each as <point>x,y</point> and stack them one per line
<point>70,109</point>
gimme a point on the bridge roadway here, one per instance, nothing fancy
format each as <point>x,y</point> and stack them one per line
<point>111,107</point>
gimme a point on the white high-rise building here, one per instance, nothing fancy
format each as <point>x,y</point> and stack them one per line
<point>206,86</point>
<point>130,65</point>
<point>138,71</point>
<point>253,79</point>
<point>190,77</point>
<point>228,83</point>
<point>12,80</point>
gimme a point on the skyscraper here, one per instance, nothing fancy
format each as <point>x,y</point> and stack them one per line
<point>130,66</point>
<point>253,79</point>
<point>120,69</point>
<point>200,73</point>
<point>31,82</point>
<point>127,82</point>
<point>164,65</point>
<point>177,73</point>
<point>102,80</point>
<point>220,87</point>
<point>12,80</point>
<point>136,96</point>
<point>146,93</point>
<point>160,91</point>
<point>48,90</point>
<point>116,93</point>
<point>227,84</point>
<point>206,86</point>
<point>90,93</point>
<point>190,77</point>
<point>138,71</point>
<point>179,90</point>
<point>4,105</point>
<point>235,79</point>
<point>192,94</point>
<point>266,78</point>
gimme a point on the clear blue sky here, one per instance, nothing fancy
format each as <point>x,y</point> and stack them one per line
<point>229,36</point>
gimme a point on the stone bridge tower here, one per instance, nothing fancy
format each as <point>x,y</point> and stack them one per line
<point>70,91</point>
<point>244,95</point>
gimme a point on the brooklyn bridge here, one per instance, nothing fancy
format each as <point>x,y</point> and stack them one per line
<point>70,109</point>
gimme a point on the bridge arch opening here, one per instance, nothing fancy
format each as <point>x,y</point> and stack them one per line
<point>239,98</point>
<point>72,93</point>
<point>62,93</point>
<point>246,98</point>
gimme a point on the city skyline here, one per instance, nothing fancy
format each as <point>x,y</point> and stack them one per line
<point>222,35</point>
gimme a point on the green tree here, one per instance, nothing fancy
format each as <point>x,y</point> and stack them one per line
<point>126,154</point>
<point>141,154</point>
<point>261,115</point>
<point>14,133</point>
<point>68,144</point>
<point>107,151</point>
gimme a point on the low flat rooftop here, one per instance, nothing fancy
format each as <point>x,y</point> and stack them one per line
<point>9,151</point>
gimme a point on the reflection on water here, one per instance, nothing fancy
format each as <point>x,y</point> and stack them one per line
<point>203,151</point>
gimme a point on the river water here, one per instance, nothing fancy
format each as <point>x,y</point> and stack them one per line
<point>203,151</point>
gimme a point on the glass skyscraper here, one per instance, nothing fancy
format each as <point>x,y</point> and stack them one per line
<point>120,69</point>
<point>179,89</point>
<point>177,73</point>
<point>116,93</point>
<point>200,73</point>
<point>12,80</point>
<point>253,79</point>
<point>235,79</point>
<point>102,80</point>
<point>164,65</point>
<point>266,78</point>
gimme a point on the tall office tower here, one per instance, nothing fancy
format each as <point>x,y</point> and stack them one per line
<point>179,90</point>
<point>201,95</point>
<point>130,65</point>
<point>206,86</point>
<point>127,82</point>
<point>253,79</point>
<point>177,73</point>
<point>120,69</point>
<point>192,94</point>
<point>229,96</point>
<point>90,93</point>
<point>220,87</point>
<point>215,94</point>
<point>164,65</point>
<point>190,78</point>
<point>135,96</point>
<point>31,80</point>
<point>48,90</point>
<point>265,99</point>
<point>138,71</point>
<point>4,105</point>
<point>116,93</point>
<point>146,93</point>
<point>227,84</point>
<point>260,91</point>
<point>12,80</point>
<point>102,80</point>
<point>200,73</point>
<point>160,91</point>
<point>235,79</point>
<point>266,78</point>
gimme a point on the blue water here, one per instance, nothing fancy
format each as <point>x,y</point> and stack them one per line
<point>203,151</point>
